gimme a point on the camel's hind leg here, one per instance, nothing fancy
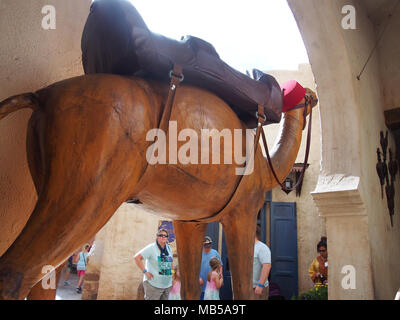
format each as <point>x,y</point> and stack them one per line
<point>189,241</point>
<point>34,154</point>
<point>80,193</point>
<point>36,168</point>
<point>56,228</point>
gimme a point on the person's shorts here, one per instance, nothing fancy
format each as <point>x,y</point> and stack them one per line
<point>153,293</point>
<point>81,272</point>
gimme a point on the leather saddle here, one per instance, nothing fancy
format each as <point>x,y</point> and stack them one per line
<point>116,40</point>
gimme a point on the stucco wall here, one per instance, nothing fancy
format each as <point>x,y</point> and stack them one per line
<point>374,97</point>
<point>310,226</point>
<point>351,119</point>
<point>387,51</point>
<point>30,58</point>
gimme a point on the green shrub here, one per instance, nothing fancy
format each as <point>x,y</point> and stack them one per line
<point>319,292</point>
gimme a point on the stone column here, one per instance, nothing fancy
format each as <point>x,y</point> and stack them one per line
<point>339,201</point>
<point>128,231</point>
<point>93,270</point>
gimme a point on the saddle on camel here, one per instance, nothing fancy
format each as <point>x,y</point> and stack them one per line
<point>117,40</point>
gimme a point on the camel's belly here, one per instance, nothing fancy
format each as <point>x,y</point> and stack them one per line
<point>193,192</point>
<point>198,173</point>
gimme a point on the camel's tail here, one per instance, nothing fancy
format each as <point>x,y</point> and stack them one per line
<point>20,101</point>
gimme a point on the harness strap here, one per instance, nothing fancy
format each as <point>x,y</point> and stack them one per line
<point>176,76</point>
<point>300,180</point>
<point>261,120</point>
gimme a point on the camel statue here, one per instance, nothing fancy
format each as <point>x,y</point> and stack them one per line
<point>86,147</point>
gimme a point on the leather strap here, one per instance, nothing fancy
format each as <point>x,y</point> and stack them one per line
<point>176,76</point>
<point>261,121</point>
<point>260,132</point>
<point>300,180</point>
<point>218,216</point>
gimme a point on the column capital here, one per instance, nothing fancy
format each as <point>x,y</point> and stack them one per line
<point>338,195</point>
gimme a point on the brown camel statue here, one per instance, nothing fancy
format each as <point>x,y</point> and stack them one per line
<point>86,147</point>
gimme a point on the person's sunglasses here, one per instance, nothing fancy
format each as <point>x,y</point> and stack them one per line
<point>162,236</point>
<point>322,250</point>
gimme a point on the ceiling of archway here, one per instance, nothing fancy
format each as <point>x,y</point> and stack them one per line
<point>378,10</point>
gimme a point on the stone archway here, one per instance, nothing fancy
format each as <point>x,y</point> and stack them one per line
<point>351,110</point>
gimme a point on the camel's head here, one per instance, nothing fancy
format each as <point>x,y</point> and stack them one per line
<point>311,97</point>
<point>295,96</point>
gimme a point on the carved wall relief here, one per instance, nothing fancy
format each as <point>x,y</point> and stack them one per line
<point>387,173</point>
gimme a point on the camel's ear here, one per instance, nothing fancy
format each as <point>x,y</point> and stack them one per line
<point>313,95</point>
<point>310,92</point>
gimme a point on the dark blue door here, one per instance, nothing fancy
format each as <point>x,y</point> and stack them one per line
<point>284,247</point>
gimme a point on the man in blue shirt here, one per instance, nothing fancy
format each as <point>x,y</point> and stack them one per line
<point>206,256</point>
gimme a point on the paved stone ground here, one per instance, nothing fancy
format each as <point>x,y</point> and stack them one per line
<point>68,292</point>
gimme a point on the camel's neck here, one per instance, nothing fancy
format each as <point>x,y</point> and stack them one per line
<point>284,153</point>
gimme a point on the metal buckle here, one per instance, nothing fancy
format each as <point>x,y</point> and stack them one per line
<point>264,116</point>
<point>180,76</point>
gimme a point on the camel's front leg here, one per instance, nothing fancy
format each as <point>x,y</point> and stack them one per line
<point>189,241</point>
<point>240,230</point>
